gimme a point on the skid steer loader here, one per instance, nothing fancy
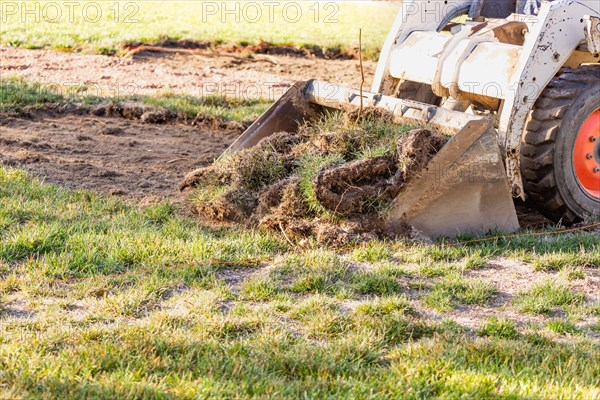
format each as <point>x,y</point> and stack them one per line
<point>517,84</point>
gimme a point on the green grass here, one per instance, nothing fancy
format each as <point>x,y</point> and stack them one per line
<point>560,261</point>
<point>373,252</point>
<point>324,26</point>
<point>157,306</point>
<point>314,272</point>
<point>154,313</point>
<point>499,328</point>
<point>188,108</point>
<point>451,291</point>
<point>259,289</point>
<point>17,95</point>
<point>562,326</point>
<point>544,296</point>
<point>54,234</point>
<point>380,282</point>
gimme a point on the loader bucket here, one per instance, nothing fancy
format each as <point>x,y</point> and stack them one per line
<point>464,188</point>
<point>284,115</point>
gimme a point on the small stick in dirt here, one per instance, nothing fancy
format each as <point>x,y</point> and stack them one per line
<point>266,57</point>
<point>173,161</point>
<point>362,73</point>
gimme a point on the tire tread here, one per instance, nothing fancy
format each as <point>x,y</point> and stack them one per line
<point>538,145</point>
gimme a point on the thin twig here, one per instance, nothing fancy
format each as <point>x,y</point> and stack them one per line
<point>285,235</point>
<point>362,73</point>
<point>173,161</point>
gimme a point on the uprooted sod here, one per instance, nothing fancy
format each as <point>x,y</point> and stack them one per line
<point>332,180</point>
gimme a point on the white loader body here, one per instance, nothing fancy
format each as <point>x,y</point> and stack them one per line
<point>509,59</point>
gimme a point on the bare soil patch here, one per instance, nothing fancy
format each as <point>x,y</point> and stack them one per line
<point>236,74</point>
<point>112,155</point>
<point>131,156</point>
<point>510,278</point>
<point>260,48</point>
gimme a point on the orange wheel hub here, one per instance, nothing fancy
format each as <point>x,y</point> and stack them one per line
<point>586,155</point>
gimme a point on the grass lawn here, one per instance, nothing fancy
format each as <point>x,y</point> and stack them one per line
<point>103,299</point>
<point>156,306</point>
<point>106,26</point>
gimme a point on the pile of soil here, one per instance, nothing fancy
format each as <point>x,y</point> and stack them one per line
<point>332,180</point>
<point>157,115</point>
<point>263,47</point>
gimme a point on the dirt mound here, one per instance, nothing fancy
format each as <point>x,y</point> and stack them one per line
<point>262,47</point>
<point>148,115</point>
<point>332,180</point>
<point>157,115</point>
<point>347,189</point>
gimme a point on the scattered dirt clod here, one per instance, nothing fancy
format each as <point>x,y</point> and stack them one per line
<point>158,116</point>
<point>110,130</point>
<point>132,110</point>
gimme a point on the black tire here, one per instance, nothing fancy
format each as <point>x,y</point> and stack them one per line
<point>547,147</point>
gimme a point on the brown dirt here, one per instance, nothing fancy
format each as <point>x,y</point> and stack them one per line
<point>260,48</point>
<point>119,150</point>
<point>109,154</point>
<point>511,277</point>
<point>151,72</point>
